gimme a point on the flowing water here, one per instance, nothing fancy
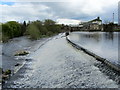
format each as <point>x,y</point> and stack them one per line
<point>57,64</point>
<point>104,44</point>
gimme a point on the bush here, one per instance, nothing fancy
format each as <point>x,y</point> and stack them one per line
<point>0,33</point>
<point>51,26</point>
<point>5,38</point>
<point>38,29</point>
<point>10,30</point>
<point>33,31</point>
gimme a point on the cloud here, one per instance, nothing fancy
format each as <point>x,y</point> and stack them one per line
<point>25,11</point>
<point>68,21</point>
<point>85,9</point>
<point>35,0</point>
<point>59,10</point>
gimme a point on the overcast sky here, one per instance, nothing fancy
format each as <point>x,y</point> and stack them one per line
<point>62,11</point>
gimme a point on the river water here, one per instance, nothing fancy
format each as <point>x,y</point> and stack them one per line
<point>56,64</point>
<point>7,58</point>
<point>104,44</point>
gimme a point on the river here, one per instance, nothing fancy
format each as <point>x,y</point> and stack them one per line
<point>56,64</point>
<point>104,44</point>
<point>16,44</point>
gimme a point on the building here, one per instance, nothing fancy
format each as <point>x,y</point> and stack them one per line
<point>95,24</point>
<point>119,13</point>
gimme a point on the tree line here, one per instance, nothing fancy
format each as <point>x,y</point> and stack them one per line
<point>35,29</point>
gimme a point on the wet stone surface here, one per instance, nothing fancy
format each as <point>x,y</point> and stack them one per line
<point>58,65</point>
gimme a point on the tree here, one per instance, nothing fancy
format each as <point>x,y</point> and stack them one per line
<point>11,29</point>
<point>49,22</point>
<point>106,21</point>
<point>33,30</point>
<point>51,26</point>
<point>23,27</point>
<point>24,23</point>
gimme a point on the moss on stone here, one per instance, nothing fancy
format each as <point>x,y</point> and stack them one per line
<point>21,53</point>
<point>7,72</point>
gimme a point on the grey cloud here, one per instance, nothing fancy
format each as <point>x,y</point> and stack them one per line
<point>81,10</point>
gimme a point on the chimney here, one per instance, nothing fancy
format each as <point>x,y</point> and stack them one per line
<point>98,18</point>
<point>113,18</point>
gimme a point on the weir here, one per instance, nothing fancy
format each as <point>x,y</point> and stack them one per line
<point>103,60</point>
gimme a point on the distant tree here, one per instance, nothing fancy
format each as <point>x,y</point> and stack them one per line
<point>0,32</point>
<point>29,22</point>
<point>42,29</point>
<point>11,29</point>
<point>33,31</point>
<point>106,21</point>
<point>24,23</point>
<point>51,26</point>
<point>48,22</point>
<point>23,27</point>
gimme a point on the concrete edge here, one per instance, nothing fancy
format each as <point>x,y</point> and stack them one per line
<point>106,62</point>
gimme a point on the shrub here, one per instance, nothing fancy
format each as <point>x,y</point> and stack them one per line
<point>0,33</point>
<point>5,38</point>
<point>33,31</point>
<point>51,26</point>
<point>10,30</point>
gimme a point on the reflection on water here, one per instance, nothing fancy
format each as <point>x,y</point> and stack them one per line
<point>104,44</point>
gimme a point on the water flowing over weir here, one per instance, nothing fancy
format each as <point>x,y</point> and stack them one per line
<point>86,41</point>
<point>57,64</point>
<point>103,44</point>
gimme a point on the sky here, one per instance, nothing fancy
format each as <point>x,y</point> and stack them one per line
<point>62,11</point>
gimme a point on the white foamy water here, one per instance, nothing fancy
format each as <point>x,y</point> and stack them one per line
<point>58,65</point>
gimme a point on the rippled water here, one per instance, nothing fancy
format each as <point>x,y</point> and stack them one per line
<point>104,44</point>
<point>58,65</point>
<point>7,51</point>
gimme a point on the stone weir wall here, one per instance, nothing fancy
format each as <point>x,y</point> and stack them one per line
<point>106,62</point>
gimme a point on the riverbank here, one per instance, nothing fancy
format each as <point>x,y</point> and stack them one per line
<point>57,65</point>
<point>35,29</point>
